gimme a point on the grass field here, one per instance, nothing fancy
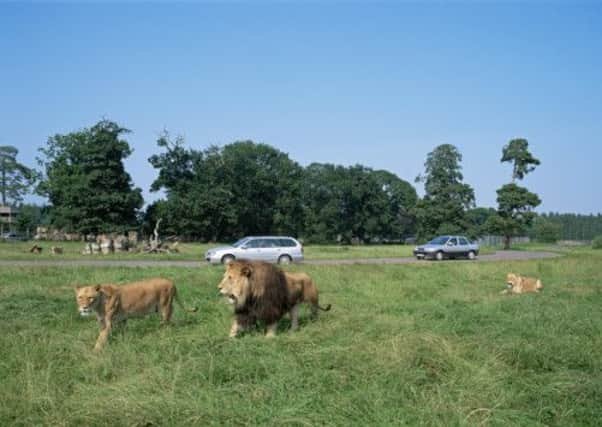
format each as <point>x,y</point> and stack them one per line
<point>196,252</point>
<point>421,344</point>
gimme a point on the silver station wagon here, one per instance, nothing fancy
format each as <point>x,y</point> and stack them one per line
<point>447,247</point>
<point>280,249</point>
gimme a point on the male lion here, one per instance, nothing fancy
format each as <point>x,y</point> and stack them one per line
<point>302,289</point>
<point>517,284</point>
<point>113,303</point>
<point>258,291</point>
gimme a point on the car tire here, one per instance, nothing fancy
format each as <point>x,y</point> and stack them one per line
<point>284,259</point>
<point>439,256</point>
<point>227,259</point>
<point>472,255</point>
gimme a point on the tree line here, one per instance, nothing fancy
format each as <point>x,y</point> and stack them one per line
<point>242,188</point>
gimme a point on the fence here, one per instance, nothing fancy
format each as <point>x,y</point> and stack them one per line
<point>499,240</point>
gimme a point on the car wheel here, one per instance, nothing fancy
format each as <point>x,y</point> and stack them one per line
<point>472,255</point>
<point>284,259</point>
<point>439,256</point>
<point>227,259</point>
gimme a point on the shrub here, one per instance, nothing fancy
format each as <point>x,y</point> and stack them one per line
<point>546,231</point>
<point>597,242</point>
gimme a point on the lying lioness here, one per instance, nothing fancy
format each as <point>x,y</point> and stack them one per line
<point>301,289</point>
<point>113,303</point>
<point>517,284</point>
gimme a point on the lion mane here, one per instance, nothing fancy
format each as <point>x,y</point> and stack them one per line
<point>258,291</point>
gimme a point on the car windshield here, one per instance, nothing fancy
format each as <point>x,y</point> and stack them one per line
<point>439,240</point>
<point>240,242</point>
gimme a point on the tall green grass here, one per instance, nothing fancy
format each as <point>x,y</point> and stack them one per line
<point>423,344</point>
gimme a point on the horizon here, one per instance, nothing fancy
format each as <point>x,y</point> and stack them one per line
<point>344,83</point>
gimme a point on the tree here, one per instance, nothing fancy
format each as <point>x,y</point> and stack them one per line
<point>515,204</point>
<point>15,178</point>
<point>354,203</point>
<point>545,230</point>
<point>517,152</point>
<point>401,200</point>
<point>86,182</point>
<point>30,216</point>
<point>224,193</point>
<point>443,207</point>
<point>514,212</point>
<point>477,218</point>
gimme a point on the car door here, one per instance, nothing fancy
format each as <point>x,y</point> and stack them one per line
<point>463,246</point>
<point>270,250</point>
<point>251,250</point>
<point>452,247</point>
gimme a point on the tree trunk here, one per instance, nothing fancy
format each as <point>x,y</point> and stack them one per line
<point>3,182</point>
<point>507,242</point>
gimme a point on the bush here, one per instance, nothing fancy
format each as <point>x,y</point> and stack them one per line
<point>546,231</point>
<point>597,242</point>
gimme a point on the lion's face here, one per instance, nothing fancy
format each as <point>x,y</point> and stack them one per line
<point>511,280</point>
<point>87,299</point>
<point>235,284</point>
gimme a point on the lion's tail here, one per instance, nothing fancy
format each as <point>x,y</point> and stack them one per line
<point>181,304</point>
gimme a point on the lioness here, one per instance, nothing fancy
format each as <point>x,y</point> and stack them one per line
<point>302,289</point>
<point>258,291</point>
<point>113,303</point>
<point>517,284</point>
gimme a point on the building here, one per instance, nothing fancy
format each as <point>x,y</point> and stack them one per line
<point>8,217</point>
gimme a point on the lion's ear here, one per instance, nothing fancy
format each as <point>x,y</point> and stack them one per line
<point>97,288</point>
<point>108,290</point>
<point>246,271</point>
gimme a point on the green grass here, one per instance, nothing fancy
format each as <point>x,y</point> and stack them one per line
<point>196,252</point>
<point>421,344</point>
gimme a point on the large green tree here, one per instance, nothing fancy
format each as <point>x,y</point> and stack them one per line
<point>354,203</point>
<point>15,178</point>
<point>223,193</point>
<point>443,208</point>
<point>86,182</point>
<point>401,199</point>
<point>515,204</point>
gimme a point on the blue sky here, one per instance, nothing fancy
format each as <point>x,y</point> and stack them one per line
<point>375,83</point>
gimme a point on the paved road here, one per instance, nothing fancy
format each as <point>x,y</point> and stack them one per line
<point>498,256</point>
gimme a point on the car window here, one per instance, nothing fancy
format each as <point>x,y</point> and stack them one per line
<point>240,242</point>
<point>287,243</point>
<point>453,241</point>
<point>463,241</point>
<point>253,243</point>
<point>269,243</point>
<point>439,240</point>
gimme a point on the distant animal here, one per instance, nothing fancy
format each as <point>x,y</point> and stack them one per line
<point>302,289</point>
<point>56,250</point>
<point>517,284</point>
<point>112,303</point>
<point>258,292</point>
<point>35,249</point>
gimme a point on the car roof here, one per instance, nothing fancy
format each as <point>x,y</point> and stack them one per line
<point>268,237</point>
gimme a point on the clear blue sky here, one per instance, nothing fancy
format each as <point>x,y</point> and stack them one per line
<point>375,83</point>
